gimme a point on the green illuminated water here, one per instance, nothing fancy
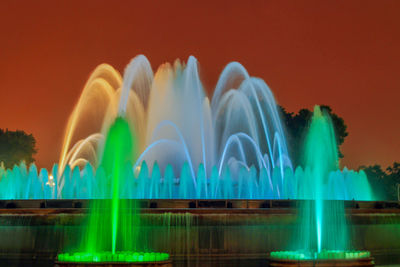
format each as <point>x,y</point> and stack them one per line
<point>114,222</point>
<point>323,255</point>
<point>322,222</point>
<point>112,257</point>
<point>112,231</point>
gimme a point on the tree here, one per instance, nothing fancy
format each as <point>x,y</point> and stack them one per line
<point>393,175</point>
<point>384,182</point>
<point>296,125</point>
<point>377,180</point>
<point>16,146</point>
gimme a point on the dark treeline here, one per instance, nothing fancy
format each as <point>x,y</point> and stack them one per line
<point>384,182</point>
<point>15,147</point>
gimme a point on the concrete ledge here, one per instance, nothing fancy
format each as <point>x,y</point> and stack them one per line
<point>393,206</point>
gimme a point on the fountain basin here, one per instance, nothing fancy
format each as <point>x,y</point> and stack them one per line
<point>238,229</point>
<point>111,264</point>
<point>324,258</point>
<point>125,258</point>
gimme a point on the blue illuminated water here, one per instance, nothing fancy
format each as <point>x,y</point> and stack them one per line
<point>26,183</point>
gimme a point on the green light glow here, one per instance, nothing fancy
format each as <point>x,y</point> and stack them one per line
<point>115,153</point>
<point>111,227</point>
<point>122,256</point>
<point>114,222</point>
<point>321,156</point>
<point>323,255</point>
<point>322,222</point>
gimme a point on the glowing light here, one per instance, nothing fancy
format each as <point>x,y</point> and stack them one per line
<point>51,181</point>
<point>137,170</point>
<point>322,255</point>
<point>117,257</point>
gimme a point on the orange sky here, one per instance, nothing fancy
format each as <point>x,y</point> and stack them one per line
<point>345,54</point>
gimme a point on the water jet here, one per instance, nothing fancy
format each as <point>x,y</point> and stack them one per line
<point>322,235</point>
<point>158,142</point>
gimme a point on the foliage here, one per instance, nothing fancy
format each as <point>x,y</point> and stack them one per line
<point>296,125</point>
<point>16,146</point>
<point>384,182</point>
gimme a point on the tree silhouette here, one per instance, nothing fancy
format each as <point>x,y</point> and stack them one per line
<point>394,179</point>
<point>296,125</point>
<point>377,180</point>
<point>384,183</point>
<point>16,146</point>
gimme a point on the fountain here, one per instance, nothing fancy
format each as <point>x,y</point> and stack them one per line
<point>187,147</point>
<point>323,238</point>
<point>111,233</point>
<point>158,136</point>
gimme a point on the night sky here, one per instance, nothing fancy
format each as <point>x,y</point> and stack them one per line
<point>345,54</point>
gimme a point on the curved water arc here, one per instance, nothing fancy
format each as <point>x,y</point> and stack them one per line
<point>248,138</point>
<point>161,141</point>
